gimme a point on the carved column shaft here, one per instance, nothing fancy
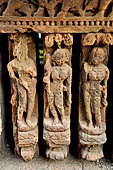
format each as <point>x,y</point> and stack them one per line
<point>57,94</point>
<point>23,74</point>
<point>93,94</point>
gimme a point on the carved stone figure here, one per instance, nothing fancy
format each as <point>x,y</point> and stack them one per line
<point>57,94</point>
<point>68,8</point>
<point>23,70</point>
<point>42,4</point>
<point>58,81</point>
<point>72,5</point>
<point>2,5</point>
<point>19,7</point>
<point>95,78</point>
<point>93,102</point>
<point>23,73</point>
<point>103,6</point>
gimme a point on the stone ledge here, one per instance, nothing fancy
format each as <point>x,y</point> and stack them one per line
<point>54,25</point>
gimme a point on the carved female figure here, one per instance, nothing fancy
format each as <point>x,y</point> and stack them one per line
<point>95,76</point>
<point>58,80</point>
<point>22,71</point>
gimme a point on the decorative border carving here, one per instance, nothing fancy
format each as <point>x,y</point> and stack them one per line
<point>54,25</point>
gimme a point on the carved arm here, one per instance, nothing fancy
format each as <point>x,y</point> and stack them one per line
<point>104,89</point>
<point>68,85</point>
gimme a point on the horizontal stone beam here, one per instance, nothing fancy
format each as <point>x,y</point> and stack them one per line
<point>56,25</point>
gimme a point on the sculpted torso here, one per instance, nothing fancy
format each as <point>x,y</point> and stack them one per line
<point>58,75</point>
<point>95,75</point>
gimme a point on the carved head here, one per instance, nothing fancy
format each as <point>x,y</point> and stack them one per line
<point>21,46</point>
<point>97,56</point>
<point>20,51</point>
<point>60,56</point>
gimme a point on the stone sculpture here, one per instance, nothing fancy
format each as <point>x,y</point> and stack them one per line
<point>51,8</point>
<point>73,6</point>
<point>94,76</point>
<point>103,6</point>
<point>57,99</point>
<point>23,73</point>
<point>58,81</point>
<point>19,8</point>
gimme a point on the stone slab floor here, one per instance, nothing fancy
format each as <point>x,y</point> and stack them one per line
<point>10,162</point>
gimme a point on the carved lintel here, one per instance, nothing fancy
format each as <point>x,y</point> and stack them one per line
<point>93,95</point>
<point>57,94</point>
<point>23,74</point>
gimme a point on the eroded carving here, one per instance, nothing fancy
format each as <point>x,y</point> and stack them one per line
<point>57,80</point>
<point>22,71</point>
<point>103,7</point>
<point>19,8</point>
<point>59,8</point>
<point>94,77</point>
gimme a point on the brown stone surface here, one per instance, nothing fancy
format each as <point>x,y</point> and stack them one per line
<point>57,94</point>
<point>61,16</point>
<point>93,95</point>
<point>68,8</point>
<point>23,74</point>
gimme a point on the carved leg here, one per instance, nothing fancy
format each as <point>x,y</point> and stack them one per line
<point>65,7</point>
<point>42,4</point>
<point>51,7</point>
<point>102,7</point>
<point>87,102</point>
<point>31,101</point>
<point>54,113</point>
<point>22,103</point>
<point>97,111</point>
<point>59,106</point>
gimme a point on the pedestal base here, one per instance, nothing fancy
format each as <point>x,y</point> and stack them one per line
<point>92,140</point>
<point>92,153</point>
<point>57,138</point>
<point>57,153</point>
<point>27,142</point>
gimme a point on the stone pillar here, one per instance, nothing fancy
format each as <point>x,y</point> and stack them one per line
<point>23,74</point>
<point>93,94</point>
<point>57,94</point>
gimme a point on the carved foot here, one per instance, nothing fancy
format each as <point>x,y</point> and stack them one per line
<point>111,15</point>
<point>92,153</point>
<point>30,124</point>
<point>61,14</point>
<point>90,124</point>
<point>27,153</point>
<point>39,12</point>
<point>57,153</point>
<point>56,121</point>
<point>100,15</point>
<point>63,120</point>
<point>51,12</point>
